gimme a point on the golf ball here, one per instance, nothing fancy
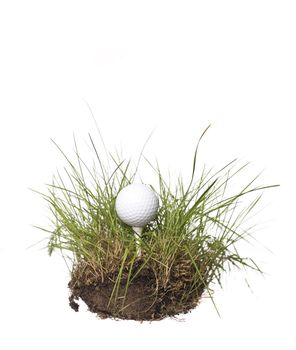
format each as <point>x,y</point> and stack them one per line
<point>136,205</point>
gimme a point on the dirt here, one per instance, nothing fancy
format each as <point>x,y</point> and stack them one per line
<point>143,300</point>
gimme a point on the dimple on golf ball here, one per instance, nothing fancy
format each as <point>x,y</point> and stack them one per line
<point>137,205</point>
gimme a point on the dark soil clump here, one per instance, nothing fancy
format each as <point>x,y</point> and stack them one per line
<point>146,298</point>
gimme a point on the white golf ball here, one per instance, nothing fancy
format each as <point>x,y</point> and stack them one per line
<point>136,205</point>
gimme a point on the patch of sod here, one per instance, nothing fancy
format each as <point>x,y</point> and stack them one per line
<point>184,251</point>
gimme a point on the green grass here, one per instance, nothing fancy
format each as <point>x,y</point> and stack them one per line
<point>199,224</point>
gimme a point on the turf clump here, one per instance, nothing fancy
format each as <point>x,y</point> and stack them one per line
<point>184,251</point>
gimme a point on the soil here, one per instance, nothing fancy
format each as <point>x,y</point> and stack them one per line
<point>144,300</point>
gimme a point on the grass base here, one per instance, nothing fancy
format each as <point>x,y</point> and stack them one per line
<point>143,300</point>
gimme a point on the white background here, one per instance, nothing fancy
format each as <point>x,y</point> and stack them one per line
<point>176,66</point>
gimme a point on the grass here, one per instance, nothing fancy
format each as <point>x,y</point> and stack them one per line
<point>198,226</point>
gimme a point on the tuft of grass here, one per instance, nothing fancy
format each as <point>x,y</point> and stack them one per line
<point>198,226</point>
